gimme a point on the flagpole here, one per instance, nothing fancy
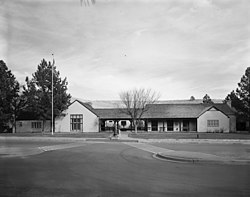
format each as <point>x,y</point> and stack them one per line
<point>52,104</point>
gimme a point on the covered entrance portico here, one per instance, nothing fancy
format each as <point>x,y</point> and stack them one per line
<point>111,124</point>
<point>121,124</point>
<point>151,125</point>
<point>174,125</point>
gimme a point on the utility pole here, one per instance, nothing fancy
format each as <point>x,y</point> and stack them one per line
<point>52,104</point>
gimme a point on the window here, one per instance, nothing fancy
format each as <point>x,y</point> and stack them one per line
<point>154,124</point>
<point>185,125</point>
<point>213,123</point>
<point>76,122</point>
<point>36,125</point>
<point>170,125</point>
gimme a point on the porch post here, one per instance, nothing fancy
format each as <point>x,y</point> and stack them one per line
<point>146,125</point>
<point>115,127</point>
<point>100,123</point>
<point>131,125</point>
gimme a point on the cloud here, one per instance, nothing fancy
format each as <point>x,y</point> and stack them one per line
<point>180,48</point>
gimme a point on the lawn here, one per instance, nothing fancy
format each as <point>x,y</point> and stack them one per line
<point>180,135</point>
<point>71,135</point>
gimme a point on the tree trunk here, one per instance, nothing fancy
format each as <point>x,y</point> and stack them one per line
<point>14,124</point>
<point>43,125</point>
<point>14,131</point>
<point>135,125</point>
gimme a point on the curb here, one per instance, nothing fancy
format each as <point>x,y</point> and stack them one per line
<point>20,138</point>
<point>176,159</point>
<point>67,139</point>
<point>110,140</point>
<point>199,160</point>
<point>198,141</point>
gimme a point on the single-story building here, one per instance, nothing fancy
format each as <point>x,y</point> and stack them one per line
<point>32,126</point>
<point>79,117</point>
<point>82,117</point>
<point>28,123</point>
<point>191,117</point>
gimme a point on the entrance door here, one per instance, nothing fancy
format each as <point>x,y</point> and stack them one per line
<point>185,125</point>
<point>102,125</point>
<point>154,125</point>
<point>170,125</point>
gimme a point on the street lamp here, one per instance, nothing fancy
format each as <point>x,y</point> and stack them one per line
<point>52,106</point>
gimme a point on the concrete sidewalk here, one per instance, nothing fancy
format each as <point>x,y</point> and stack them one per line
<point>125,136</point>
<point>119,138</point>
<point>187,156</point>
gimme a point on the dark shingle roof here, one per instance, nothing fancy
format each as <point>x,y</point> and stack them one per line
<point>156,111</point>
<point>225,108</point>
<point>28,116</point>
<point>183,110</point>
<point>114,113</point>
<point>174,111</point>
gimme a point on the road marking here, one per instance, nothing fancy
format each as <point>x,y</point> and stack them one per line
<point>61,146</point>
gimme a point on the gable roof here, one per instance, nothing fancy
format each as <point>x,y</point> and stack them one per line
<point>112,104</point>
<point>114,113</point>
<point>25,115</point>
<point>225,108</point>
<point>210,107</point>
<point>184,110</point>
<point>173,111</point>
<point>158,111</point>
<point>86,105</point>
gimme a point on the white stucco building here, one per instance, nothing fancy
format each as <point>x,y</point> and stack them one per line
<point>79,117</point>
<point>32,126</point>
<point>184,117</point>
<point>82,117</point>
<point>213,120</point>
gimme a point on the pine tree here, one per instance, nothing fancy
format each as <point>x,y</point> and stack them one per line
<point>241,97</point>
<point>243,93</point>
<point>9,88</point>
<point>38,92</point>
<point>207,99</point>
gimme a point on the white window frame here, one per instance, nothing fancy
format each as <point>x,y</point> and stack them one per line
<point>36,125</point>
<point>213,123</point>
<point>76,122</point>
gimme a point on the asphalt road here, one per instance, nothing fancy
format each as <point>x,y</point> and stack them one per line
<point>115,169</point>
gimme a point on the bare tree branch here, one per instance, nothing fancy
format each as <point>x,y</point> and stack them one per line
<point>136,102</point>
<point>87,2</point>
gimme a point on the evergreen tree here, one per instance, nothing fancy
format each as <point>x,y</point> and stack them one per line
<point>9,88</point>
<point>192,98</point>
<point>207,99</point>
<point>38,92</point>
<point>241,97</point>
<point>243,93</point>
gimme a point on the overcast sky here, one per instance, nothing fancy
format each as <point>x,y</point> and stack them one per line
<point>179,48</point>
